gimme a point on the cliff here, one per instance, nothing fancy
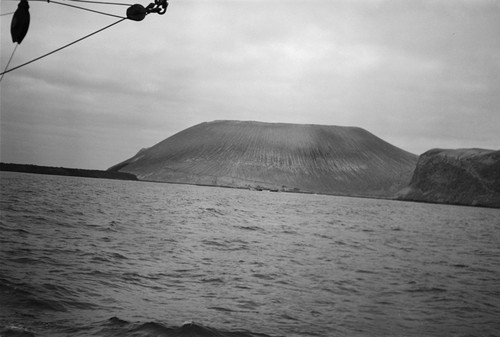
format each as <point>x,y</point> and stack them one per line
<point>462,177</point>
<point>313,158</point>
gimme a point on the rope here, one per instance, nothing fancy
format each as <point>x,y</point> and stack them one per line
<point>10,59</point>
<point>7,13</point>
<point>60,48</point>
<point>83,8</point>
<point>87,9</point>
<point>102,2</point>
<point>87,1</point>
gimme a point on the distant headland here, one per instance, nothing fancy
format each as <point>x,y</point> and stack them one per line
<point>63,171</point>
<point>461,177</point>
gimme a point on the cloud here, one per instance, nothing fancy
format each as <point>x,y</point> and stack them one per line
<point>419,74</point>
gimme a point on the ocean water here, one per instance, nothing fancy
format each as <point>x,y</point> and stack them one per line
<point>91,257</point>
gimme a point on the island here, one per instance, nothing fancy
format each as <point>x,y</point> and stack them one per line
<point>309,158</point>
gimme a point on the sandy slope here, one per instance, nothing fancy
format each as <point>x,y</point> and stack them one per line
<point>316,158</point>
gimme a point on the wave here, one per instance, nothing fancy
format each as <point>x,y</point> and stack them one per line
<point>213,211</point>
<point>427,290</point>
<point>119,327</point>
<point>40,298</point>
<point>16,331</point>
<point>250,228</point>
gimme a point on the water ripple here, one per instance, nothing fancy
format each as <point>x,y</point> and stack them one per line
<point>75,252</point>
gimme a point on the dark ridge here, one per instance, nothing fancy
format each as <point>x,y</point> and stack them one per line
<point>277,157</point>
<point>460,177</point>
<point>63,171</point>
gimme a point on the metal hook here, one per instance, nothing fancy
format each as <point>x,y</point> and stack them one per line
<point>159,6</point>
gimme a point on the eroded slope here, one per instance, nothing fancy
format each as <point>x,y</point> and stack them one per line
<point>316,158</point>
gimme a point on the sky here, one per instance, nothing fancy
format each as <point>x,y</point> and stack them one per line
<point>418,74</point>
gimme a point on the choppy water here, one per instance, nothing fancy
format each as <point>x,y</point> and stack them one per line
<point>90,257</point>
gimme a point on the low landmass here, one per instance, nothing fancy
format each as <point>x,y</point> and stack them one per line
<point>63,171</point>
<point>461,177</point>
<point>277,157</point>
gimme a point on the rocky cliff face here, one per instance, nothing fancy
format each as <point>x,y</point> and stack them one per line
<point>462,177</point>
<point>314,158</point>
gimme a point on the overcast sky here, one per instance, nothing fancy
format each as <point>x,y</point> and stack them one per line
<point>418,74</point>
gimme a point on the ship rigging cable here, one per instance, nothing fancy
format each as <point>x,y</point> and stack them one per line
<point>21,20</point>
<point>84,8</point>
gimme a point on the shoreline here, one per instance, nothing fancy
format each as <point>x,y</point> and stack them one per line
<point>64,171</point>
<point>101,174</point>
